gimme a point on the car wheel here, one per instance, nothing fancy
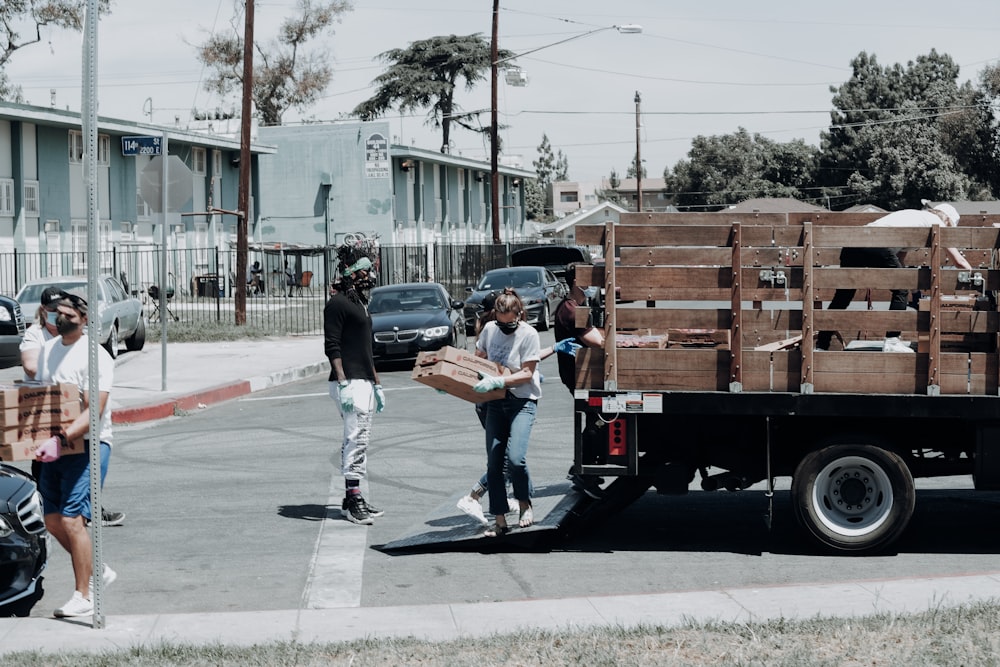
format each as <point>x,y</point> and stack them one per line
<point>135,342</point>
<point>112,345</point>
<point>543,317</point>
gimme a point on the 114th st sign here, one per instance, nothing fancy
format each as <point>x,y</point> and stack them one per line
<point>141,145</point>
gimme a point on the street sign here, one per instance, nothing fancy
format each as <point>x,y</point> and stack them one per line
<point>141,145</point>
<point>180,184</point>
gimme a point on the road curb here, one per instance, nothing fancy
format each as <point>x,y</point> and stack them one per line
<point>226,392</point>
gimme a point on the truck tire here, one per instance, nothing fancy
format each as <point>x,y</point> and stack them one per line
<point>853,498</point>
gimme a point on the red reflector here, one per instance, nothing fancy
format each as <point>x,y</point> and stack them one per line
<point>616,437</point>
<point>594,401</point>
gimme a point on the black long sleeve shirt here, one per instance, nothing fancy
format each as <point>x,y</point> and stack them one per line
<point>347,329</point>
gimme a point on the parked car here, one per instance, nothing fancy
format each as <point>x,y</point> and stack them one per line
<point>11,332</point>
<point>538,287</point>
<point>555,258</point>
<point>23,538</point>
<point>121,314</point>
<point>413,317</point>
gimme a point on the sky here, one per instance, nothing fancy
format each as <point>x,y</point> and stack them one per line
<point>700,68</point>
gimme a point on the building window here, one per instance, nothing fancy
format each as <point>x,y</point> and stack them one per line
<point>568,197</point>
<point>142,211</point>
<point>217,164</point>
<point>31,207</point>
<point>6,196</point>
<point>198,161</point>
<point>76,148</point>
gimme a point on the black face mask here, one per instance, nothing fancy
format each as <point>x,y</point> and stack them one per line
<point>507,327</point>
<point>64,325</point>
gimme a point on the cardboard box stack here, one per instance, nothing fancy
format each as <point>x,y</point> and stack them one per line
<point>456,372</point>
<point>32,412</point>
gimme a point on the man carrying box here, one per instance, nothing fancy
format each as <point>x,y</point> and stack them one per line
<point>65,482</point>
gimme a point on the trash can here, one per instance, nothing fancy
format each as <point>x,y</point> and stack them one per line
<point>207,285</point>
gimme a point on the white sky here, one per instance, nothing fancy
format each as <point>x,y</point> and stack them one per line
<point>703,68</point>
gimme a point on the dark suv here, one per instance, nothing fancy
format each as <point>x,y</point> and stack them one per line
<point>11,332</point>
<point>23,539</point>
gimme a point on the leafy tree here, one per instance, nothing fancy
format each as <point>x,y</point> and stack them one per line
<point>611,192</point>
<point>723,170</point>
<point>21,23</point>
<point>285,73</point>
<point>535,199</point>
<point>899,134</point>
<point>633,170</point>
<point>425,75</point>
<point>550,167</point>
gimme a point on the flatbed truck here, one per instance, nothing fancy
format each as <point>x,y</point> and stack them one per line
<point>710,366</point>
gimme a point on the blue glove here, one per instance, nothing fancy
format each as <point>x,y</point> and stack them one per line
<point>567,346</point>
<point>379,399</point>
<point>346,398</point>
<point>488,383</point>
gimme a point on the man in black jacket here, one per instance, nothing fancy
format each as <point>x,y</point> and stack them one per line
<point>353,380</point>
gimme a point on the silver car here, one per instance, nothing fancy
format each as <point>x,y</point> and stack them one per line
<point>121,314</point>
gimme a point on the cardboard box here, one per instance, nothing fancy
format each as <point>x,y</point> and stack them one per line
<point>24,450</point>
<point>461,358</point>
<point>19,398</point>
<point>456,380</point>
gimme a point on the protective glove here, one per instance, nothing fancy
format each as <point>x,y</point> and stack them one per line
<point>567,346</point>
<point>488,383</point>
<point>379,399</point>
<point>49,450</point>
<point>346,397</point>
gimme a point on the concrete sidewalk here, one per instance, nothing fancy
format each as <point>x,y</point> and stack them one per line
<point>199,374</point>
<point>439,622</point>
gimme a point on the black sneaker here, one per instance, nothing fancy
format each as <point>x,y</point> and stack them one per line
<point>110,518</point>
<point>355,510</point>
<point>372,510</point>
<point>587,484</point>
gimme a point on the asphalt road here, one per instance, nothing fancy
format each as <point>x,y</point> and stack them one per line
<point>226,512</point>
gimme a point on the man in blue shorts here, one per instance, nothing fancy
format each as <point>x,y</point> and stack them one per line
<point>65,481</point>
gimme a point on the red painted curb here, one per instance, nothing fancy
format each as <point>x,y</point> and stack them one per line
<point>161,410</point>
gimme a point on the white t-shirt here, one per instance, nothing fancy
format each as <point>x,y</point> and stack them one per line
<point>910,217</point>
<point>513,351</point>
<point>34,337</point>
<point>70,364</point>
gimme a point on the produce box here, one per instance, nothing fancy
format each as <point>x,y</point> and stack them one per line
<point>31,413</point>
<point>456,380</point>
<point>462,358</point>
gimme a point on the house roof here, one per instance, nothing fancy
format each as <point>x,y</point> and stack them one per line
<point>774,205</point>
<point>50,117</point>
<point>399,150</point>
<point>591,216</point>
<point>648,184</point>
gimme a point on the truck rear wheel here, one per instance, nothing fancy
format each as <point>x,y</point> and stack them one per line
<point>853,498</point>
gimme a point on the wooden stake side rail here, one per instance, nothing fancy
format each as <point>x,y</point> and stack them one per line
<point>698,299</point>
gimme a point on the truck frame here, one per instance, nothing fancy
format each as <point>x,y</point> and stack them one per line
<point>710,365</point>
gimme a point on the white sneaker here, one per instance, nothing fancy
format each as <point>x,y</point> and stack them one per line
<point>108,575</point>
<point>77,606</point>
<point>471,506</point>
<point>893,344</point>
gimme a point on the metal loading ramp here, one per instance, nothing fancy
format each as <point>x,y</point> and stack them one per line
<point>448,529</point>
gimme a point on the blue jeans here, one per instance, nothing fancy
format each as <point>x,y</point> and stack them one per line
<point>508,428</point>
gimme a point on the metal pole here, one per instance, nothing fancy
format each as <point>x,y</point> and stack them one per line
<point>164,283</point>
<point>638,157</point>
<point>243,207</point>
<point>494,148</point>
<point>88,117</point>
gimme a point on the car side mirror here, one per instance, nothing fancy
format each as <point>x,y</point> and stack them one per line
<point>470,290</point>
<point>457,305</point>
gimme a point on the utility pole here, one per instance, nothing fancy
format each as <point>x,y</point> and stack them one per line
<point>243,205</point>
<point>638,157</point>
<point>494,148</point>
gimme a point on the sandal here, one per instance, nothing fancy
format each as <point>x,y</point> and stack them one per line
<point>526,518</point>
<point>496,530</point>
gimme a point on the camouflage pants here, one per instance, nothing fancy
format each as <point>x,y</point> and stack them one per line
<point>353,460</point>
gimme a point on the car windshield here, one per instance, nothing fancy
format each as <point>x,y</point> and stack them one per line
<point>33,293</point>
<point>516,278</point>
<point>405,300</point>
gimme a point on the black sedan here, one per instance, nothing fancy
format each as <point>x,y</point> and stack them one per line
<point>413,317</point>
<point>538,288</point>
<point>23,539</point>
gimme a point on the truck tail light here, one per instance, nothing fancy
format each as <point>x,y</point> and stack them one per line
<point>616,437</point>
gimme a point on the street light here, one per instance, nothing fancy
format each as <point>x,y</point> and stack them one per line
<point>495,62</point>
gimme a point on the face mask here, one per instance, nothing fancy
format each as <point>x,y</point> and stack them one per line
<point>507,327</point>
<point>51,316</point>
<point>64,325</point>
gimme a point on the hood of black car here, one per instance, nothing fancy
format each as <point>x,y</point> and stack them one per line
<point>409,320</point>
